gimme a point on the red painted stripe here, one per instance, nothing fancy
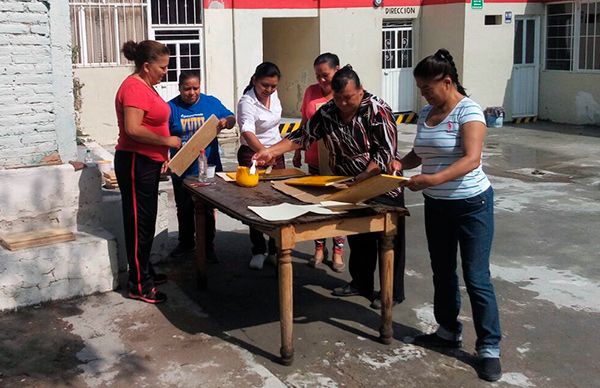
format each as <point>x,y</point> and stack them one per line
<point>328,4</point>
<point>135,224</point>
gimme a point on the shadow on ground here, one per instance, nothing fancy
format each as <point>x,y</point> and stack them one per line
<point>239,298</point>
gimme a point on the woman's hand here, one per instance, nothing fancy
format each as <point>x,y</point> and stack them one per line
<point>173,142</point>
<point>421,181</point>
<point>165,167</point>
<point>297,160</point>
<point>395,167</point>
<point>222,124</point>
<point>263,157</point>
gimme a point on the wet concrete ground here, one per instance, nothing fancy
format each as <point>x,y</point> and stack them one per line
<point>546,270</point>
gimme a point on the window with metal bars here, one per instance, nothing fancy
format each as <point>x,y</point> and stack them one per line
<point>182,12</point>
<point>589,36</point>
<point>573,36</point>
<point>396,47</point>
<point>100,27</point>
<point>559,36</point>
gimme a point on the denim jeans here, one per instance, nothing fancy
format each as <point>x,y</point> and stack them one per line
<point>468,223</point>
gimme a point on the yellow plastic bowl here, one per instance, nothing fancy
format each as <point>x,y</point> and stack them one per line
<point>244,178</point>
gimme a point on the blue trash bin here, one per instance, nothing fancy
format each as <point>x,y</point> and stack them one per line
<point>493,121</point>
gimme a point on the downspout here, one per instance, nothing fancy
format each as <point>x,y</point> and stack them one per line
<point>235,54</point>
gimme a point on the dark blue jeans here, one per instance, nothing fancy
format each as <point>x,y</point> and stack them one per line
<point>468,223</point>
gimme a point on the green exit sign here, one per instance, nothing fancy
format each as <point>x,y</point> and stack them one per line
<point>477,4</point>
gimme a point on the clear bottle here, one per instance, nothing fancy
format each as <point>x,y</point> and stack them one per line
<point>202,167</point>
<point>88,157</point>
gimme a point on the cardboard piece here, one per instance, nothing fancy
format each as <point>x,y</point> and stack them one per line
<point>306,193</point>
<point>191,150</point>
<point>35,238</point>
<point>367,189</point>
<point>318,180</point>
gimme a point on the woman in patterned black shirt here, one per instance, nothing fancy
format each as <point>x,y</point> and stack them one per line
<point>360,134</point>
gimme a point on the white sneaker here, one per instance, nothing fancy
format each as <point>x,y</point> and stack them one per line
<point>272,259</point>
<point>257,261</point>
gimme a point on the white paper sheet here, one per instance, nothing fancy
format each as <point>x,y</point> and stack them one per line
<point>287,211</point>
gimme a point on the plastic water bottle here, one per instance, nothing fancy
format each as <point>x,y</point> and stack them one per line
<point>202,166</point>
<point>88,157</point>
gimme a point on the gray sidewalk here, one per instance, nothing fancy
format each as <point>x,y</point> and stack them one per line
<point>546,269</point>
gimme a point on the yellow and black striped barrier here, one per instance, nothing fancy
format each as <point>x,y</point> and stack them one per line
<point>285,128</point>
<point>524,120</point>
<point>406,118</point>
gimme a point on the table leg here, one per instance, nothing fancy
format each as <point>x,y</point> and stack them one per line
<point>386,278</point>
<point>286,310</point>
<point>200,244</point>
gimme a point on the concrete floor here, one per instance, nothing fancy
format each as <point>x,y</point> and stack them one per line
<point>546,270</point>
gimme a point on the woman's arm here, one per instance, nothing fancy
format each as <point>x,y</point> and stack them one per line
<point>226,122</point>
<point>253,141</point>
<point>134,129</point>
<point>472,134</point>
<point>409,161</point>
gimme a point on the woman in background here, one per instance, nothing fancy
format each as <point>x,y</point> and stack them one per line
<point>258,117</point>
<point>189,110</point>
<point>315,96</point>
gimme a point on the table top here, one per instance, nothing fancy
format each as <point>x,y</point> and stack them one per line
<point>234,200</point>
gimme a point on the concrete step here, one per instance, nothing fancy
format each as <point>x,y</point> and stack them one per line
<point>60,271</point>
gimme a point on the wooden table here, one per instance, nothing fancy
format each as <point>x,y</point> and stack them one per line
<point>233,200</point>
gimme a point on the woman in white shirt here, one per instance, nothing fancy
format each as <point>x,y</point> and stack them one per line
<point>258,116</point>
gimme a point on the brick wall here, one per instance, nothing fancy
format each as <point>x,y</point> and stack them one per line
<point>27,87</point>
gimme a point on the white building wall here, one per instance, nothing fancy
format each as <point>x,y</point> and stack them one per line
<point>27,91</point>
<point>219,55</point>
<point>567,97</point>
<point>294,53</point>
<point>354,34</point>
<point>248,40</point>
<point>62,79</point>
<point>441,26</point>
<point>100,85</point>
<point>488,53</point>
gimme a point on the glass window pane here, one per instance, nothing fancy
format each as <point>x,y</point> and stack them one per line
<point>184,62</point>
<point>195,63</point>
<point>389,59</point>
<point>184,49</point>
<point>518,47</point>
<point>530,41</point>
<point>163,12</point>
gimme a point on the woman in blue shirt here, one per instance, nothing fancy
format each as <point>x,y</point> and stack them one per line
<point>189,110</point>
<point>459,211</point>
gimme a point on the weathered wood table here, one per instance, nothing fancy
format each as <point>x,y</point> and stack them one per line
<point>233,200</point>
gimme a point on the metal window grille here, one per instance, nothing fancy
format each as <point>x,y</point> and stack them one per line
<point>589,36</point>
<point>397,47</point>
<point>559,36</point>
<point>181,12</point>
<point>100,27</point>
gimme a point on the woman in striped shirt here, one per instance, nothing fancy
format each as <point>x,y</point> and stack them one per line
<point>458,209</point>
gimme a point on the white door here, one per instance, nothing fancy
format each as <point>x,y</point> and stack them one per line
<point>526,67</point>
<point>397,66</point>
<point>177,24</point>
<point>186,48</point>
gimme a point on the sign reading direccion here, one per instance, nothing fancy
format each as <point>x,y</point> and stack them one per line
<point>400,10</point>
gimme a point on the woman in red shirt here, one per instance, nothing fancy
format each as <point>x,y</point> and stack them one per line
<point>315,96</point>
<point>141,156</point>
